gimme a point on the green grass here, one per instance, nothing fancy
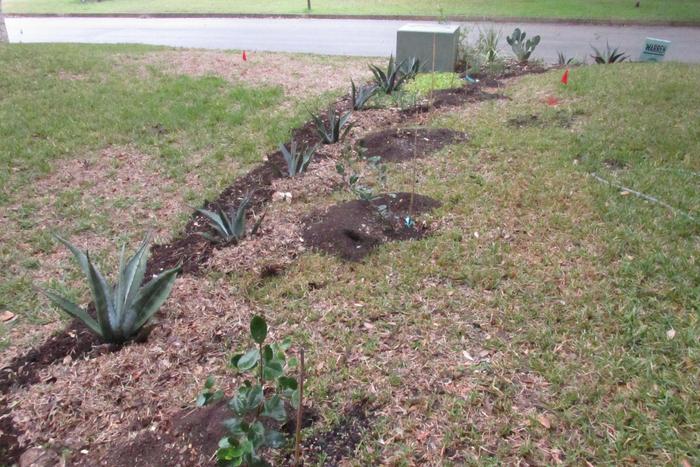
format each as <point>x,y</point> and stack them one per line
<point>548,318</point>
<point>650,10</point>
<point>562,291</point>
<point>65,102</point>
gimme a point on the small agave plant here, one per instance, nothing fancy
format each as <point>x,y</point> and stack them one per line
<point>230,227</point>
<point>123,310</point>
<point>297,160</point>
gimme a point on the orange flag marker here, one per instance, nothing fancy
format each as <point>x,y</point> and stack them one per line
<point>565,77</point>
<point>245,57</point>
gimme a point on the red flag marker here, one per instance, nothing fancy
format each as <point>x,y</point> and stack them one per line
<point>245,57</point>
<point>565,77</point>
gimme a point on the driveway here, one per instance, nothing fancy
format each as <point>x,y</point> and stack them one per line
<point>331,36</point>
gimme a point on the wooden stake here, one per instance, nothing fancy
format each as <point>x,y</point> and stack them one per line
<point>300,411</point>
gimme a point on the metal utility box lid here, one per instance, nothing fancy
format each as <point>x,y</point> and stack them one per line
<point>416,40</point>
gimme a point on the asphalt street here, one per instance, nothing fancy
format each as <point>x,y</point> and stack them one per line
<point>332,36</point>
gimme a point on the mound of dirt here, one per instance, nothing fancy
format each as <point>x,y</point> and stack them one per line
<point>352,229</point>
<point>396,144</point>
<point>459,96</point>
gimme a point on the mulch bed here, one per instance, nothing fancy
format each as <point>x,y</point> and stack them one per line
<point>396,144</point>
<point>189,438</point>
<point>351,230</point>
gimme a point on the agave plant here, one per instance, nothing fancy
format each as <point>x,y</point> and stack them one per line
<point>395,75</point>
<point>297,160</point>
<point>410,67</point>
<point>229,227</point>
<point>608,56</point>
<point>332,131</point>
<point>361,95</point>
<point>123,310</point>
<point>522,48</point>
<point>562,60</point>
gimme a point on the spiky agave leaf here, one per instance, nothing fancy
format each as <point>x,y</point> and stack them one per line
<point>124,309</point>
<point>73,310</point>
<point>151,296</point>
<point>218,220</point>
<point>290,158</point>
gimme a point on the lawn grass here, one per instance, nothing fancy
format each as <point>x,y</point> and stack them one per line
<point>551,318</point>
<point>650,10</point>
<point>117,110</point>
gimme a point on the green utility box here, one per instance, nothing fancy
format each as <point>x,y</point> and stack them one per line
<point>420,40</point>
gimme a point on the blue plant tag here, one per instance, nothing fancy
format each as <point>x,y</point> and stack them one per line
<point>408,222</point>
<point>470,80</point>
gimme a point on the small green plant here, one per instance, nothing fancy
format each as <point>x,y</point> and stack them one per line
<point>488,44</point>
<point>361,95</point>
<point>522,48</point>
<point>230,227</point>
<point>395,75</point>
<point>352,176</point>
<point>261,397</point>
<point>124,310</point>
<point>608,55</point>
<point>482,56</point>
<point>208,394</point>
<point>297,160</point>
<point>562,60</point>
<point>331,129</point>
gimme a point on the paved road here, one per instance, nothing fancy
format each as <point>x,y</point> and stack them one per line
<point>330,36</point>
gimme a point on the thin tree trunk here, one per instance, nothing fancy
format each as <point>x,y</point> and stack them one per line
<point>3,29</point>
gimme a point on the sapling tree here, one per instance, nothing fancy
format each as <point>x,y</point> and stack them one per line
<point>261,396</point>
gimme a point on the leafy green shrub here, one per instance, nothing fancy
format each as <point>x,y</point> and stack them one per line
<point>522,48</point>
<point>261,397</point>
<point>608,55</point>
<point>332,131</point>
<point>361,95</point>
<point>122,310</point>
<point>395,75</point>
<point>229,227</point>
<point>297,160</point>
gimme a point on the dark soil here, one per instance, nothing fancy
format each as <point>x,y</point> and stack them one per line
<point>190,438</point>
<point>340,442</point>
<point>352,229</point>
<point>74,341</point>
<point>458,96</point>
<point>395,144</point>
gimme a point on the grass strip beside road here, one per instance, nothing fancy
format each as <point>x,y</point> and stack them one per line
<point>598,10</point>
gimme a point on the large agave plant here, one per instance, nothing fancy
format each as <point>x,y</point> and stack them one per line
<point>395,75</point>
<point>297,160</point>
<point>229,227</point>
<point>123,310</point>
<point>331,130</point>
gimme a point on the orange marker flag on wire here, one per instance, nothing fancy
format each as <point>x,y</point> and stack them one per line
<point>245,57</point>
<point>565,77</point>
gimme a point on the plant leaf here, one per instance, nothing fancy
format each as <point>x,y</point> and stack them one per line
<point>258,329</point>
<point>249,360</point>
<point>150,297</point>
<point>73,310</point>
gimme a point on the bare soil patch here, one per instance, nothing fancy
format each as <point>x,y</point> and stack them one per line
<point>298,75</point>
<point>340,441</point>
<point>397,144</point>
<point>353,229</point>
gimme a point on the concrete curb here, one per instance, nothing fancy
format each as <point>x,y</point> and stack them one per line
<point>500,19</point>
